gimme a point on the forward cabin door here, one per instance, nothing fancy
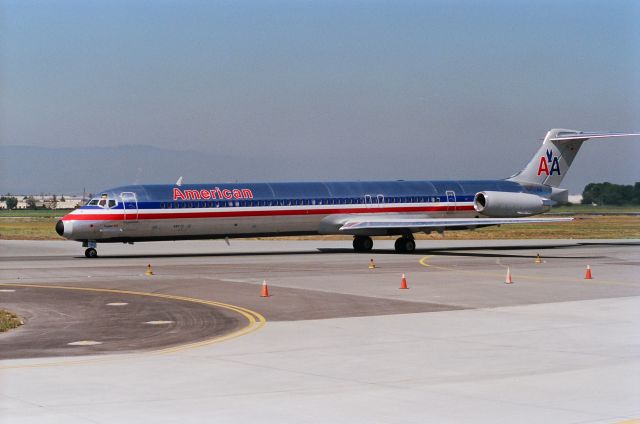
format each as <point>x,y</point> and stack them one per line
<point>373,201</point>
<point>451,201</point>
<point>368,200</point>
<point>130,206</point>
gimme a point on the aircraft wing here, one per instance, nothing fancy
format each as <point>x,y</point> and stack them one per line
<point>422,224</point>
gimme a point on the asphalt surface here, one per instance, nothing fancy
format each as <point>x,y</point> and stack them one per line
<point>95,322</point>
<point>342,342</point>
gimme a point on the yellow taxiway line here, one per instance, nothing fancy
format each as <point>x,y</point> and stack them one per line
<point>255,322</point>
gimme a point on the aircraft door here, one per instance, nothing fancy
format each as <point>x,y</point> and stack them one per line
<point>130,205</point>
<point>451,201</point>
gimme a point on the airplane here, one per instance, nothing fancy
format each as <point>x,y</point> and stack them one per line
<point>363,209</point>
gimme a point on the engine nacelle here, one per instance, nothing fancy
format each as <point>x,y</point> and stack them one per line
<point>500,204</point>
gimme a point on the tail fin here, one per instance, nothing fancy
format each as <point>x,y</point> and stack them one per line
<point>552,161</point>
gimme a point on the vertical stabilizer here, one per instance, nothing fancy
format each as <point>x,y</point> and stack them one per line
<point>552,161</point>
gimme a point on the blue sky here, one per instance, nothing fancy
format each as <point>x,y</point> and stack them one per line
<point>328,89</point>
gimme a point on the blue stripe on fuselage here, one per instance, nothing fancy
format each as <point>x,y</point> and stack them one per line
<point>154,196</point>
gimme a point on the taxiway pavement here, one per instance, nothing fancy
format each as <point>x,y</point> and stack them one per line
<point>342,343</point>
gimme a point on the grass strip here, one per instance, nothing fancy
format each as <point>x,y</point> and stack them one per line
<point>9,320</point>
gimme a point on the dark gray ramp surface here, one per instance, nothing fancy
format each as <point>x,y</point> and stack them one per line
<point>56,317</point>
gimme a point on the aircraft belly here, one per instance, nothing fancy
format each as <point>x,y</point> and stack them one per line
<point>233,226</point>
<point>211,226</point>
<point>299,223</point>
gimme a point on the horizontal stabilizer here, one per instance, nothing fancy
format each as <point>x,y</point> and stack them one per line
<point>582,135</point>
<point>415,225</point>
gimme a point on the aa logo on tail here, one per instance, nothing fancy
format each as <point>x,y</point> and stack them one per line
<point>544,164</point>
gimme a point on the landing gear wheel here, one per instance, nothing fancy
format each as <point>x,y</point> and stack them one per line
<point>91,253</point>
<point>405,245</point>
<point>362,243</point>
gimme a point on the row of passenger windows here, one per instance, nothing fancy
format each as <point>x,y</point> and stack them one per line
<point>298,202</point>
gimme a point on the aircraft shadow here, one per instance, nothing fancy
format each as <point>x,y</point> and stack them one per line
<point>472,251</point>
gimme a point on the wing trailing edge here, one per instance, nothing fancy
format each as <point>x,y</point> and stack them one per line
<point>416,225</point>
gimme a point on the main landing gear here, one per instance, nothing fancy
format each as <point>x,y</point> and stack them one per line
<point>362,243</point>
<point>405,245</point>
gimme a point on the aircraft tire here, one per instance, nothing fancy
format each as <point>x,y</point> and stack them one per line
<point>362,243</point>
<point>405,245</point>
<point>91,253</point>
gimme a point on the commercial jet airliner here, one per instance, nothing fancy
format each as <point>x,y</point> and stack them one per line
<point>359,208</point>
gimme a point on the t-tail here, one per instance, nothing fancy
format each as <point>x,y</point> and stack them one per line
<point>552,161</point>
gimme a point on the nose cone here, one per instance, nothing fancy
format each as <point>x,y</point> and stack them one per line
<point>60,228</point>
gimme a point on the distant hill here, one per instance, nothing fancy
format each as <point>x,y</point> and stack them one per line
<point>31,169</point>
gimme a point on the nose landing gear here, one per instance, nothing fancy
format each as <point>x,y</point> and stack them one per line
<point>91,252</point>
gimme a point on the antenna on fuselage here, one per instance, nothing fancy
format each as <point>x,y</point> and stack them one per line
<point>179,182</point>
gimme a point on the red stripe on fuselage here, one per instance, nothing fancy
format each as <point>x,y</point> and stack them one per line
<point>250,213</point>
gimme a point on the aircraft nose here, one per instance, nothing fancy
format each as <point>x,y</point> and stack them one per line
<point>60,227</point>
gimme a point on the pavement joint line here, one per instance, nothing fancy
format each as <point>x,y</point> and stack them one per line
<point>422,262</point>
<point>256,321</point>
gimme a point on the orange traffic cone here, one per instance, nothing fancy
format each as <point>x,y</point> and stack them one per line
<point>588,274</point>
<point>372,265</point>
<point>403,282</point>
<point>265,289</point>
<point>508,279</point>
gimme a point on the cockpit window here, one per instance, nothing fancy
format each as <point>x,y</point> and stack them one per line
<point>103,202</point>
